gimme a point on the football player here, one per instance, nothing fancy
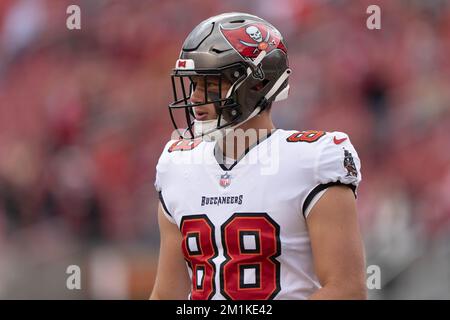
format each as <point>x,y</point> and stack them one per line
<point>272,217</point>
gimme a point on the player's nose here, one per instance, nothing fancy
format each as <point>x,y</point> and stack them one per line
<point>197,96</point>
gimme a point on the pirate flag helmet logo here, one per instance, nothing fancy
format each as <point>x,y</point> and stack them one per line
<point>251,39</point>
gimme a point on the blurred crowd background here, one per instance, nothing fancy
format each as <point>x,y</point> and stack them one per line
<point>83,119</point>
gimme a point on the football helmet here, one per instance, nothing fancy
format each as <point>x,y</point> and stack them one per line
<point>243,49</point>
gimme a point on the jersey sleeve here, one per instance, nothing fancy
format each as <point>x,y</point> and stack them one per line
<point>161,179</point>
<point>337,163</point>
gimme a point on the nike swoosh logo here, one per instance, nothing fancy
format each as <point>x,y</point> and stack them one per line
<point>339,141</point>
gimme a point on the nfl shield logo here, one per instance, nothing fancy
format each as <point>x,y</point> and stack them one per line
<point>225,180</point>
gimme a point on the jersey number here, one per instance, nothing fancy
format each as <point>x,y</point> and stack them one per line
<point>184,145</point>
<point>306,136</point>
<point>251,244</point>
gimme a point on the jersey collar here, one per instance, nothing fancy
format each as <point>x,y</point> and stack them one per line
<point>225,163</point>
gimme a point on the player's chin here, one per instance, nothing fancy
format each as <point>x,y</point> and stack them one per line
<point>204,117</point>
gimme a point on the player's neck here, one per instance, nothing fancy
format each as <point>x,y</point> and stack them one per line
<point>246,135</point>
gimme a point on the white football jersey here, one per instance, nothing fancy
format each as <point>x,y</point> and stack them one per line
<point>244,224</point>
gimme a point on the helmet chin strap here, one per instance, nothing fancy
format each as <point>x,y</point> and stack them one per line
<point>283,94</point>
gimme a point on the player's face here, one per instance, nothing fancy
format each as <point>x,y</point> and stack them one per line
<point>208,111</point>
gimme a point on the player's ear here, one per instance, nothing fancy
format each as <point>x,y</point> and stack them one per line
<point>260,85</point>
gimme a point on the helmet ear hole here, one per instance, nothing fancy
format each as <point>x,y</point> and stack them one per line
<point>260,85</point>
